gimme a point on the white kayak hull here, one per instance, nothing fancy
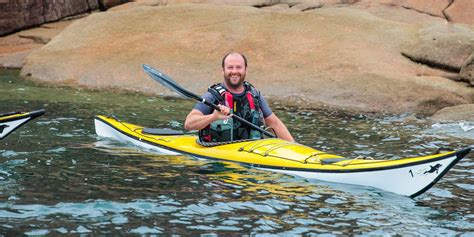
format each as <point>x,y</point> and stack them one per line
<point>417,178</point>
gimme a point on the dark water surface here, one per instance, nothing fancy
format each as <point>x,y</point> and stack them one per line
<point>57,177</point>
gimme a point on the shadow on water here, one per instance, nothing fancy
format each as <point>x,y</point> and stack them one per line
<point>58,177</point>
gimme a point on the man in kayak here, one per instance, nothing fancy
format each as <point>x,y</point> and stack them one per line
<point>234,96</point>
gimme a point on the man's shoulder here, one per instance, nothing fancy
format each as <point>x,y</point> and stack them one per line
<point>208,96</point>
<point>252,89</point>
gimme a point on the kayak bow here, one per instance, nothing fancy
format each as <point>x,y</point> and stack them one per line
<point>409,176</point>
<point>9,122</point>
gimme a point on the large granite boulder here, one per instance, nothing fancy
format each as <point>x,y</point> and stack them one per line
<point>336,56</point>
<point>445,46</point>
<point>463,112</point>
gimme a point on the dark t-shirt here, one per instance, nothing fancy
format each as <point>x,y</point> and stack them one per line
<point>264,107</point>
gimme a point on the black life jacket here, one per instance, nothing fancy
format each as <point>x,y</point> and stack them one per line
<point>245,106</point>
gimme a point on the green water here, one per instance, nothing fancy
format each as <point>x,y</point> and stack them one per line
<point>58,177</point>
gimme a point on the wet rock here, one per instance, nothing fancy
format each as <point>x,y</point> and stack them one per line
<point>456,113</point>
<point>443,46</point>
<point>467,70</point>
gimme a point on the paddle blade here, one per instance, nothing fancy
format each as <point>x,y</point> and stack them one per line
<point>167,82</point>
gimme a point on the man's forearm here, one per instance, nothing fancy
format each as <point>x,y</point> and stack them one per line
<point>282,132</point>
<point>279,127</point>
<point>198,122</point>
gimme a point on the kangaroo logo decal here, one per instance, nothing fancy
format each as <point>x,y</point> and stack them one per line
<point>433,168</point>
<point>2,127</point>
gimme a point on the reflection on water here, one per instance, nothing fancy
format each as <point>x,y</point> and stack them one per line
<point>58,177</point>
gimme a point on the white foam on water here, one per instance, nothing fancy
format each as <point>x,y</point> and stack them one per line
<point>142,230</point>
<point>37,232</point>
<point>463,130</point>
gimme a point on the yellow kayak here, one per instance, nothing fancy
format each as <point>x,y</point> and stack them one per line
<point>408,176</point>
<point>9,122</point>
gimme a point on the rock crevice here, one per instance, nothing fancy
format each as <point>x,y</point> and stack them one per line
<point>446,16</point>
<point>432,64</point>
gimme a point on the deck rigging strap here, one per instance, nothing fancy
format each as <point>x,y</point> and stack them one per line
<point>257,144</point>
<point>211,144</point>
<point>277,147</point>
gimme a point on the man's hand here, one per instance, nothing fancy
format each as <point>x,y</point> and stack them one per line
<point>196,120</point>
<point>223,114</point>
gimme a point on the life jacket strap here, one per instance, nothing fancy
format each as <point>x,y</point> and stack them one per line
<point>229,99</point>
<point>251,101</point>
<point>226,96</point>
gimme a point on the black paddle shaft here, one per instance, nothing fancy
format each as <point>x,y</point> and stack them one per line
<point>172,85</point>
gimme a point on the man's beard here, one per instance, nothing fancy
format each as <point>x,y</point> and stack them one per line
<point>237,84</point>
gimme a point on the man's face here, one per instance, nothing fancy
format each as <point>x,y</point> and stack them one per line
<point>234,70</point>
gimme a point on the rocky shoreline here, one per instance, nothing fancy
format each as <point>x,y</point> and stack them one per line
<point>365,56</point>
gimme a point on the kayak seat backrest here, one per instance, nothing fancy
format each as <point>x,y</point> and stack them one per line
<point>162,131</point>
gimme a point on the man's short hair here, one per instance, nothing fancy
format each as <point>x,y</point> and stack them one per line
<point>225,56</point>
